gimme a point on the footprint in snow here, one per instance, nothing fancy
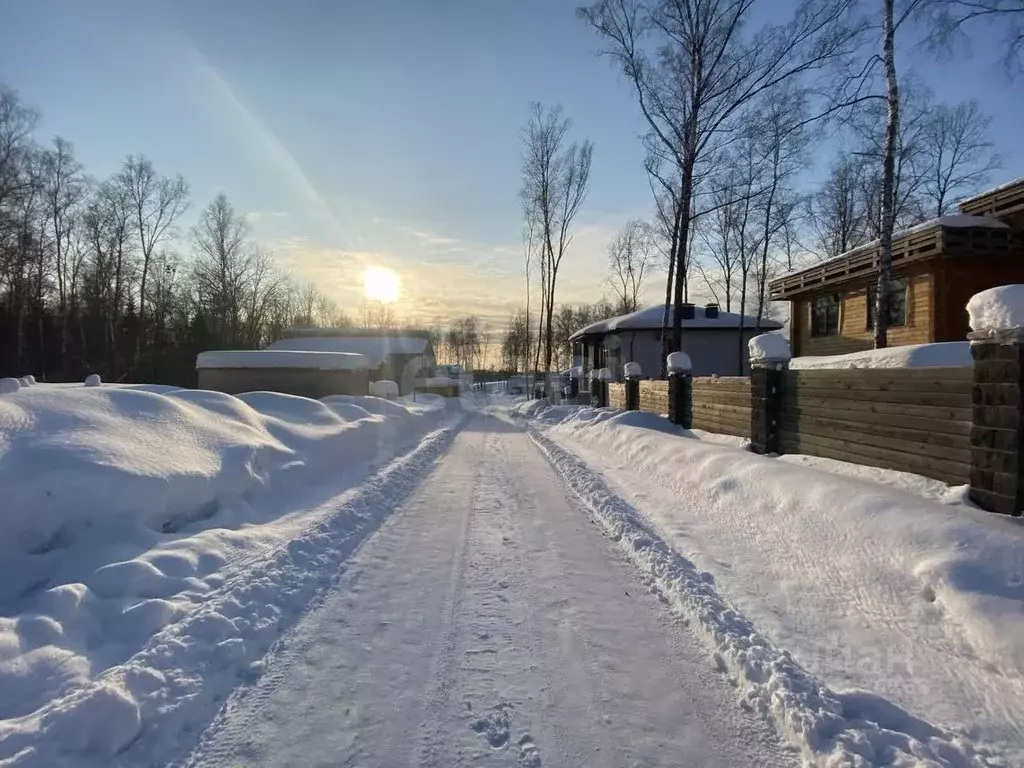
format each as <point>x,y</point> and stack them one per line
<point>529,755</point>
<point>495,725</point>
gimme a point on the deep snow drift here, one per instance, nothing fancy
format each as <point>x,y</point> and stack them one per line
<point>124,510</point>
<point>867,587</point>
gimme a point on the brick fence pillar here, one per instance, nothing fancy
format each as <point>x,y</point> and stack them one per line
<point>633,373</point>
<point>680,389</point>
<point>604,376</point>
<point>997,432</point>
<point>769,359</point>
<point>595,388</point>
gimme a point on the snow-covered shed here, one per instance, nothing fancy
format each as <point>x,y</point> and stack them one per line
<point>402,356</point>
<point>937,266</point>
<point>715,340</point>
<point>308,374</point>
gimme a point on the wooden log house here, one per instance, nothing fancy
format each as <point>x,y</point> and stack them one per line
<point>937,266</point>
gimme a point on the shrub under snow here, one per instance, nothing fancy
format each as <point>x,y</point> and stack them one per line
<point>93,380</point>
<point>124,509</point>
<point>9,385</point>
<point>384,388</point>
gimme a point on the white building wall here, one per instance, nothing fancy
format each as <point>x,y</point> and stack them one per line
<point>711,351</point>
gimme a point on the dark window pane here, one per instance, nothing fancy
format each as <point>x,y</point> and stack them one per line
<point>825,315</point>
<point>897,303</point>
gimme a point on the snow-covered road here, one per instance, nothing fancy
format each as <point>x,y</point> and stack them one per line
<point>489,622</point>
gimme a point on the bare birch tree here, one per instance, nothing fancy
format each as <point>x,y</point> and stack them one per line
<point>694,68</point>
<point>961,156</point>
<point>630,260</point>
<point>555,181</point>
<point>156,204</point>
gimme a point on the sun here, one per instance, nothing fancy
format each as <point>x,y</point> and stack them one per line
<point>380,284</point>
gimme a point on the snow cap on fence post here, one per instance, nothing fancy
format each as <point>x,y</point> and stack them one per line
<point>997,348</point>
<point>595,374</point>
<point>997,312</point>
<point>678,362</point>
<point>769,350</point>
<point>575,372</point>
<point>605,374</point>
<point>632,370</point>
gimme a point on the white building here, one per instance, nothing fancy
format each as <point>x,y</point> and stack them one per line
<point>716,341</point>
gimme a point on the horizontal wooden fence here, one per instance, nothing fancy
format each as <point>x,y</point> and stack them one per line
<point>721,404</point>
<point>654,396</point>
<point>910,419</point>
<point>616,395</point>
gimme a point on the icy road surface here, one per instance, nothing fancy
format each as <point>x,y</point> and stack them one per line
<point>489,623</point>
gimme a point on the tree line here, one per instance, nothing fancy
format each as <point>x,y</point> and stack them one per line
<point>732,110</point>
<point>92,279</point>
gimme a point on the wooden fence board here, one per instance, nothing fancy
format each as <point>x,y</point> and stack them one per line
<point>869,440</point>
<point>837,395</point>
<point>950,427</point>
<point>843,450</point>
<point>790,400</point>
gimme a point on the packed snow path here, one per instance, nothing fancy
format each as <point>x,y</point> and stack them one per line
<point>489,622</point>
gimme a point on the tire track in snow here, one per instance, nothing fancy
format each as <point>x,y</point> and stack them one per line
<point>809,714</point>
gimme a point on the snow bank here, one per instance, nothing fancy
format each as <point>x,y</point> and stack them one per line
<point>9,385</point>
<point>819,587</point>
<point>276,358</point>
<point>946,354</point>
<point>769,346</point>
<point>125,511</point>
<point>384,388</point>
<point>997,308</point>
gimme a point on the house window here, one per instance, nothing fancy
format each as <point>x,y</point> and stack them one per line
<point>897,303</point>
<point>825,315</point>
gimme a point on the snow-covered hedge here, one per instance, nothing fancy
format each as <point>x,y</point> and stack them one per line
<point>384,388</point>
<point>123,508</point>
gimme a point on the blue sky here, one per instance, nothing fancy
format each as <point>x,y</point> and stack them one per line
<point>358,132</point>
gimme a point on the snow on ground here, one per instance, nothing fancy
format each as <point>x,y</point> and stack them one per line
<point>867,620</point>
<point>951,354</point>
<point>147,531</point>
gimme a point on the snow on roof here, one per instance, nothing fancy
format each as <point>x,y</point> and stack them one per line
<point>953,221</point>
<point>651,318</point>
<point>376,349</point>
<point>946,354</point>
<point>244,358</point>
<point>1012,183</point>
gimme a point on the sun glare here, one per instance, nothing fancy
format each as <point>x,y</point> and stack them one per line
<point>380,284</point>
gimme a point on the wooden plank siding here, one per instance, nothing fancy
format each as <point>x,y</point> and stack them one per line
<point>854,334</point>
<point>911,420</point>
<point>654,396</point>
<point>722,404</point>
<point>616,395</point>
